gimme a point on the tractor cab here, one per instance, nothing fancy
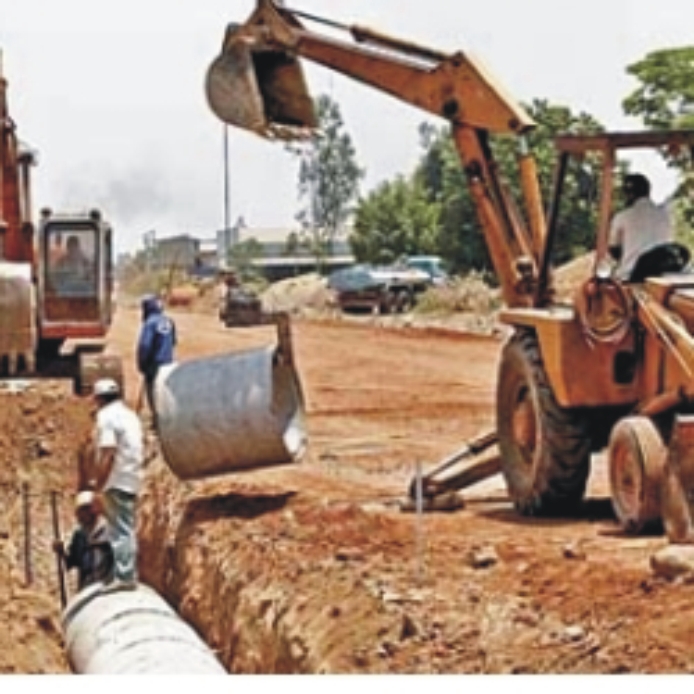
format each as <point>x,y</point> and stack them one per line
<point>674,143</point>
<point>604,302</point>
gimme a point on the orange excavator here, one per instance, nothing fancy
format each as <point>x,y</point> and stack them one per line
<point>56,278</point>
<point>613,368</point>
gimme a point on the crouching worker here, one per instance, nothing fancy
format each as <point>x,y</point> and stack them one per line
<point>89,550</point>
<point>119,455</point>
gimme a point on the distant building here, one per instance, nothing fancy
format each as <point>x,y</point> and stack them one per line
<point>279,258</point>
<point>177,253</point>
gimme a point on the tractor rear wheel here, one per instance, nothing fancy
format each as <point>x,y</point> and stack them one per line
<point>637,456</point>
<point>545,449</point>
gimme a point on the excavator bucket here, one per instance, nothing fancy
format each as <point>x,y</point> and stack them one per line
<point>260,90</point>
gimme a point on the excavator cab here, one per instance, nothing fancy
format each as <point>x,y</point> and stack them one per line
<point>74,279</point>
<point>75,276</point>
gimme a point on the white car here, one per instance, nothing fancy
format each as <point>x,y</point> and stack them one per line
<point>432,265</point>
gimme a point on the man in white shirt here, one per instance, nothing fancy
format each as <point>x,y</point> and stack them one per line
<point>638,228</point>
<point>119,459</point>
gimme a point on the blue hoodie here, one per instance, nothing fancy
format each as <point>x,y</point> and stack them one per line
<point>157,338</point>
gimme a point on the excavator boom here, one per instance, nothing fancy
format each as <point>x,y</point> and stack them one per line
<point>257,83</point>
<point>16,230</point>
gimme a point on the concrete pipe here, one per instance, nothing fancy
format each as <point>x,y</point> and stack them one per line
<point>229,412</point>
<point>132,632</point>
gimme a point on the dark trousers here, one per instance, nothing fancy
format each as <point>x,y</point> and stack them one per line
<point>149,392</point>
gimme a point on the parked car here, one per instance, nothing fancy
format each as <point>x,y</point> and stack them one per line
<point>433,265</point>
<point>391,289</point>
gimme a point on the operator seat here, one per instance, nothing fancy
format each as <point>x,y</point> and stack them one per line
<point>660,260</point>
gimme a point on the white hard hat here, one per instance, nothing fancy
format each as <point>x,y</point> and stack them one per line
<point>106,386</point>
<point>84,498</point>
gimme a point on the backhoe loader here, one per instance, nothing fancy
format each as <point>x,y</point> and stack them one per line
<point>614,367</point>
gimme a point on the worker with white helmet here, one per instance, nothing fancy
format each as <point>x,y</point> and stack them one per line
<point>119,459</point>
<point>89,550</point>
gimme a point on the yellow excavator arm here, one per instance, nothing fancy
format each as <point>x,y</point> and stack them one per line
<point>257,83</point>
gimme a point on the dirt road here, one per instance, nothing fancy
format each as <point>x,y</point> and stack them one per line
<point>313,568</point>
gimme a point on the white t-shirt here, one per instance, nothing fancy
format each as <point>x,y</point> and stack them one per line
<point>636,230</point>
<point>117,426</point>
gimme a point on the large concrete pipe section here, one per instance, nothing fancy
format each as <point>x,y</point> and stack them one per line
<point>230,412</point>
<point>132,632</point>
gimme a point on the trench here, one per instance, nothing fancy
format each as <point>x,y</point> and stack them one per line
<point>269,576</point>
<point>243,559</point>
<point>239,616</point>
<point>214,552</point>
<point>241,625</point>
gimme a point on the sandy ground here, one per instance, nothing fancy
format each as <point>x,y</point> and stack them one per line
<point>313,568</point>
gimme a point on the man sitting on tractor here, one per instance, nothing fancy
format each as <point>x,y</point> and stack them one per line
<point>640,227</point>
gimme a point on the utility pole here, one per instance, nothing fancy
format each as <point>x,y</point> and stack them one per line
<point>227,233</point>
<point>149,240</point>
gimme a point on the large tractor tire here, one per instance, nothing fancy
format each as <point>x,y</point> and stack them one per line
<point>545,449</point>
<point>637,455</point>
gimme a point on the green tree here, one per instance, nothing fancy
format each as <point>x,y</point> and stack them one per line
<point>329,177</point>
<point>664,99</point>
<point>578,218</point>
<point>665,96</point>
<point>396,219</point>
<point>433,209</point>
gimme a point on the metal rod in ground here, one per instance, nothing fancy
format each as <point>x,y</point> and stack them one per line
<point>28,572</point>
<point>419,500</point>
<point>58,557</point>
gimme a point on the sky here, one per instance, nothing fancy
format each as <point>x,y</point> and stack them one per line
<point>111,95</point>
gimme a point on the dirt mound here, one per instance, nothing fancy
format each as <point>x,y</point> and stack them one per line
<point>304,295</point>
<point>569,277</point>
<point>40,426</point>
<point>182,296</point>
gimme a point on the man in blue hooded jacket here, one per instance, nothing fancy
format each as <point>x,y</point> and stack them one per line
<point>155,346</point>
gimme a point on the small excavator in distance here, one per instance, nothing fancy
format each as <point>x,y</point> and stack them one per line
<point>613,368</point>
<point>56,279</point>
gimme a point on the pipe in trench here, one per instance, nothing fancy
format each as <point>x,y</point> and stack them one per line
<point>132,632</point>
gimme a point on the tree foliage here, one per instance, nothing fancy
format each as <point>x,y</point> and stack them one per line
<point>665,96</point>
<point>328,182</point>
<point>446,219</point>
<point>663,100</point>
<point>396,219</point>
